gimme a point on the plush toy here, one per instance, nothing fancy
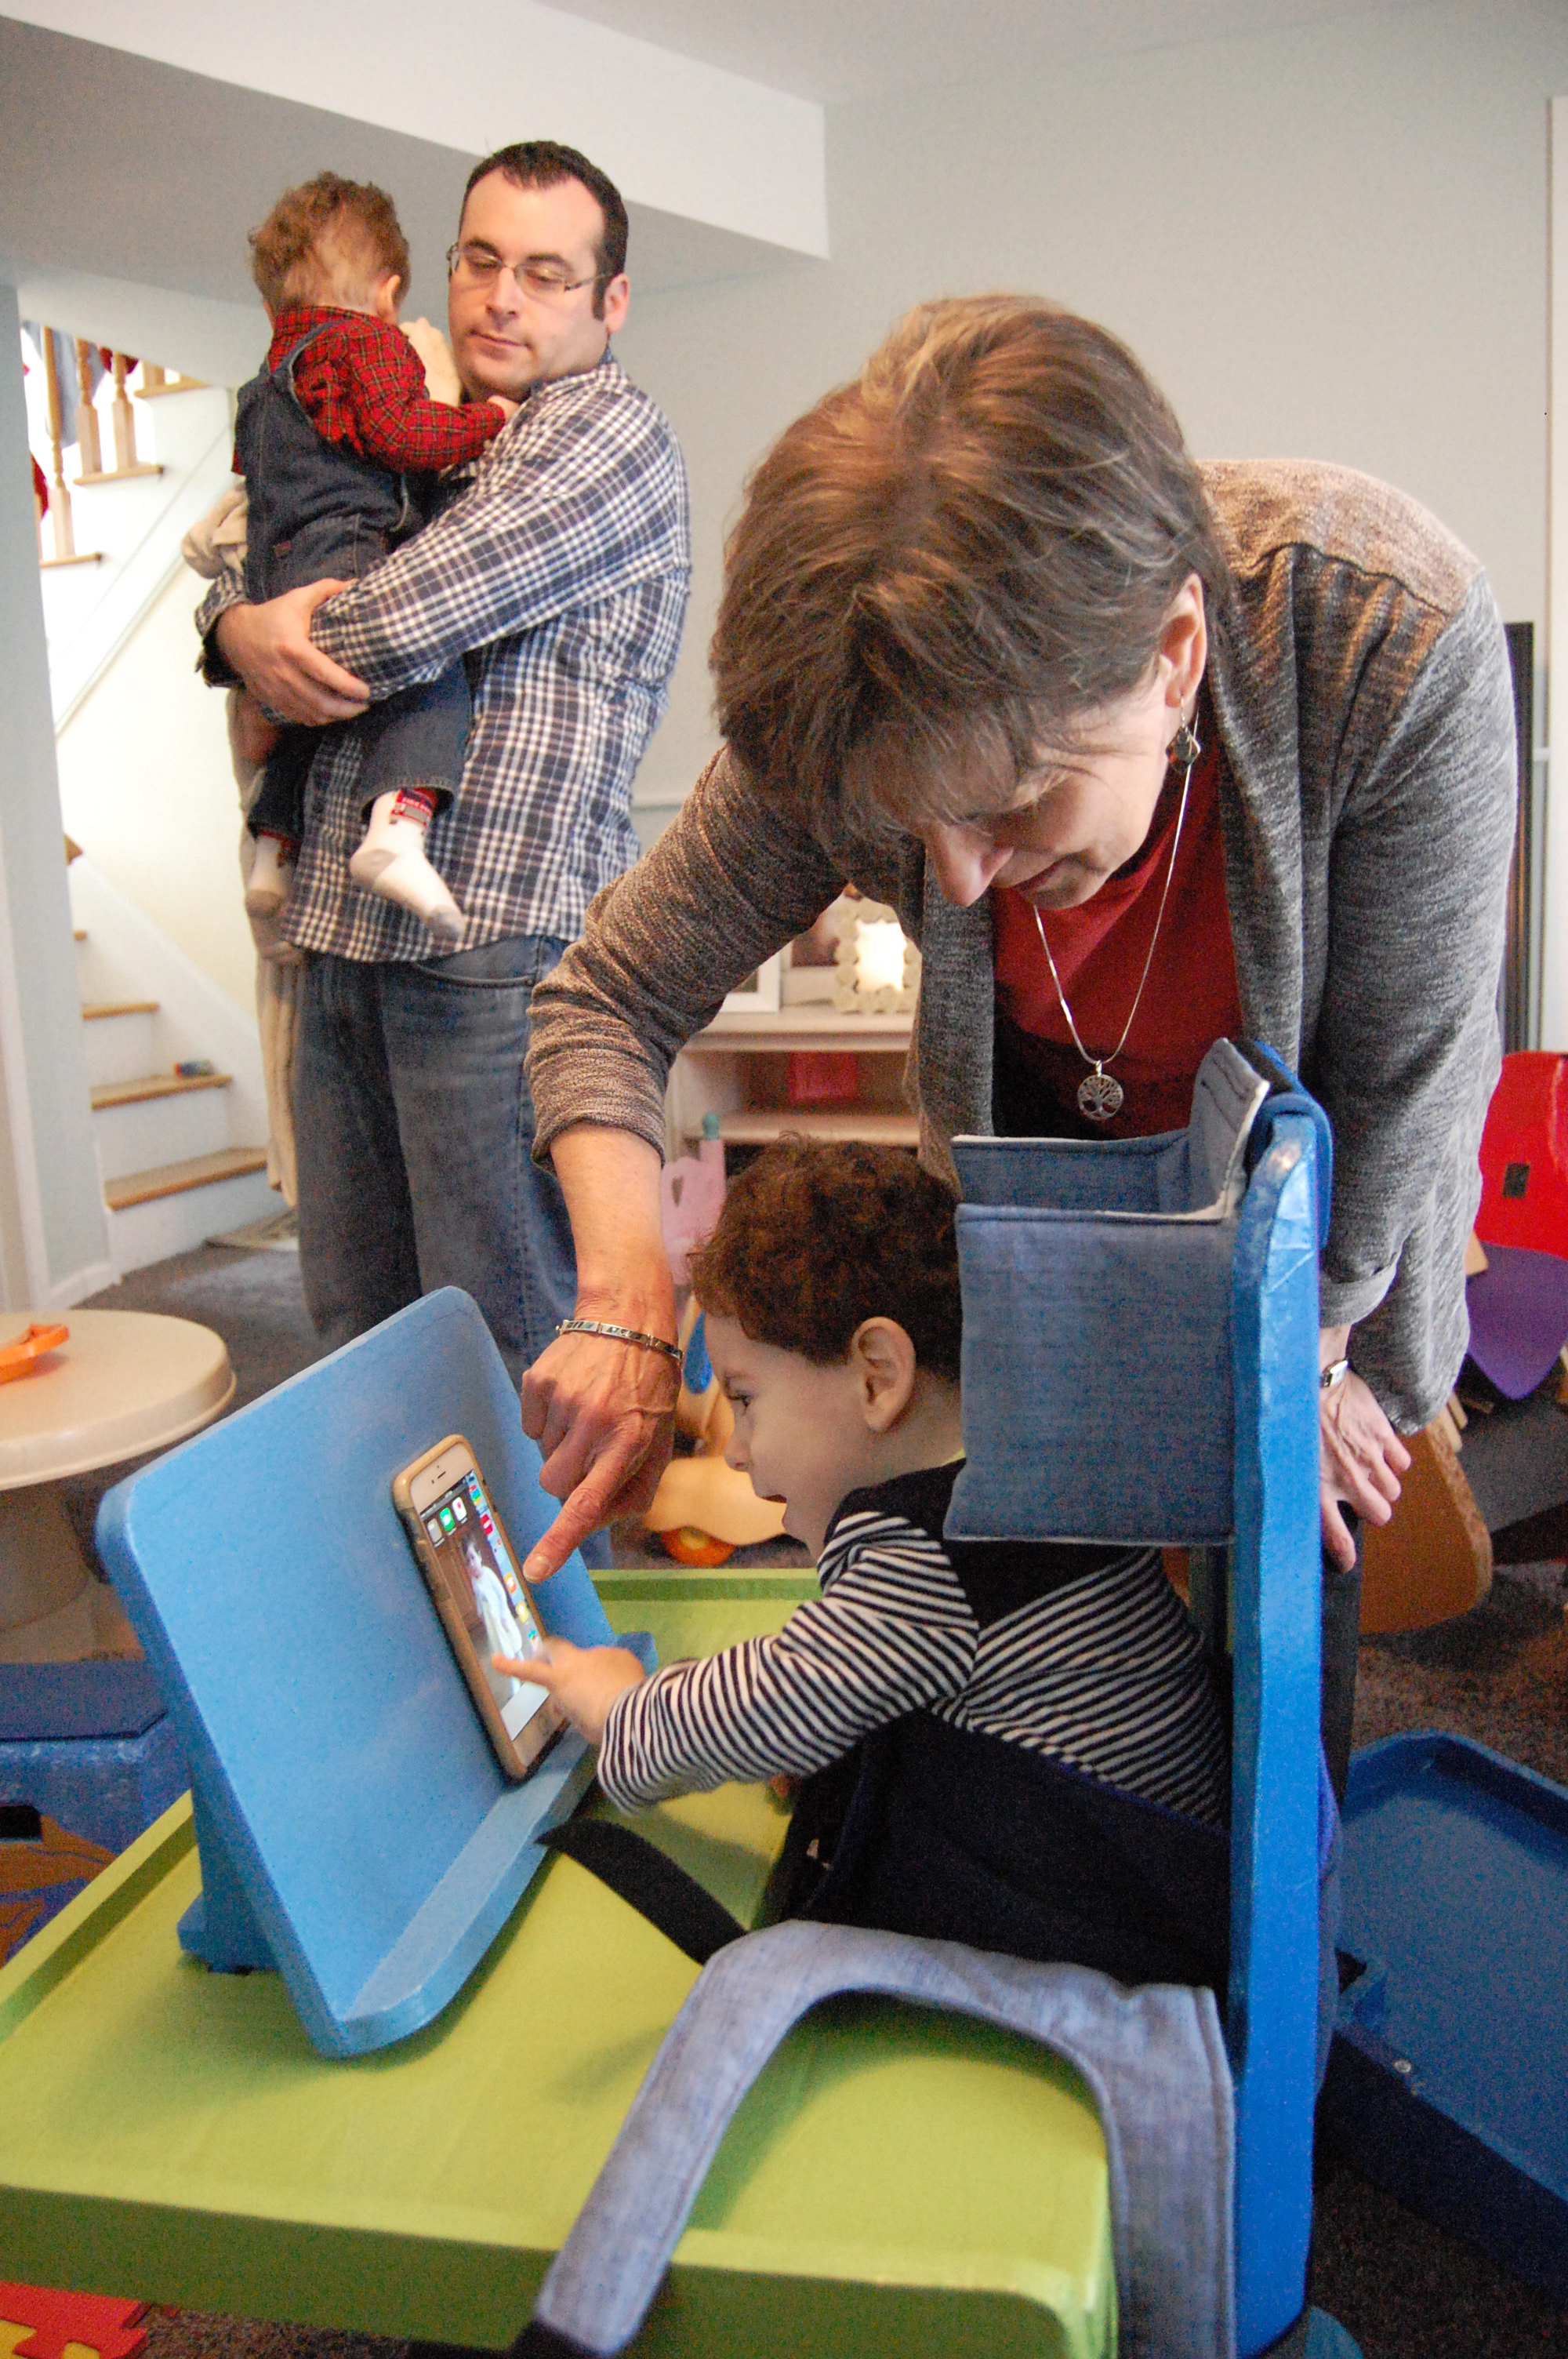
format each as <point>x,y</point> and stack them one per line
<point>703,1510</point>
<point>691,1196</point>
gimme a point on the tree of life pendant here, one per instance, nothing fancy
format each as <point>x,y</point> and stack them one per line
<point>1100,1095</point>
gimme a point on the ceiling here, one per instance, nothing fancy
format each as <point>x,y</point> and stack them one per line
<point>115,169</point>
<point>126,178</point>
<point>832,50</point>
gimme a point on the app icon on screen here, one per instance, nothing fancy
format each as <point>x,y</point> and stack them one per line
<point>448,1523</point>
<point>434,1528</point>
<point>459,1509</point>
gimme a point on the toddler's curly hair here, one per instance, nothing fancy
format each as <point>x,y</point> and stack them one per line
<point>815,1238</point>
<point>327,240</point>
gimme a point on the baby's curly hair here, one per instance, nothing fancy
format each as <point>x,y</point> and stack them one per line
<point>815,1238</point>
<point>327,240</point>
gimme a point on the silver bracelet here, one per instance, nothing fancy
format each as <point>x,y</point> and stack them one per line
<point>621,1335</point>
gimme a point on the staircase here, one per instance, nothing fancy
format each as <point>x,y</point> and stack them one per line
<point>109,538</point>
<point>174,1064</point>
<point>172,1144</point>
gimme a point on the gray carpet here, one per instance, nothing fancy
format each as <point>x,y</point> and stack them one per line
<point>1403,2288</point>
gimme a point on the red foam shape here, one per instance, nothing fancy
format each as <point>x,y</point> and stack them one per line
<point>94,2319</point>
<point>1524,1156</point>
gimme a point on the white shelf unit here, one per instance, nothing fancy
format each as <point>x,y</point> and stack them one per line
<point>737,1070</point>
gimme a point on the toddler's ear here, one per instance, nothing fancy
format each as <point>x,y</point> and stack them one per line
<point>883,1359</point>
<point>386,297</point>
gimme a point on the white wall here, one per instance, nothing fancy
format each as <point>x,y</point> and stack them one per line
<point>146,790</point>
<point>53,1242</point>
<point>1328,243</point>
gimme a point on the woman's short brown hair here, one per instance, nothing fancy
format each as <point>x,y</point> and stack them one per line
<point>817,1237</point>
<point>327,240</point>
<point>958,557</point>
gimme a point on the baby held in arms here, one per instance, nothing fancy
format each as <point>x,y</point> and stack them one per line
<point>1016,1744</point>
<point>342,449</point>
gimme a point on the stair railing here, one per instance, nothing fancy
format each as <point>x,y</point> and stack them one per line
<point>124,420</point>
<point>87,427</point>
<point>156,381</point>
<point>60,525</point>
<point>87,442</point>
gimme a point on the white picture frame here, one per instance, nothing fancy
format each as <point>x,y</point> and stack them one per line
<point>759,994</point>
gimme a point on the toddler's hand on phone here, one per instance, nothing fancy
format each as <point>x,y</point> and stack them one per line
<point>584,1680</point>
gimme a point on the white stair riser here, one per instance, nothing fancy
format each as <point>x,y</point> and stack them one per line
<point>120,1047</point>
<point>174,1224</point>
<point>101,977</point>
<point>154,1131</point>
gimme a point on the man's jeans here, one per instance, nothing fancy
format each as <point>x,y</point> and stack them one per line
<point>416,1135</point>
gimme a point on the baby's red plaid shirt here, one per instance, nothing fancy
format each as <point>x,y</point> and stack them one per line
<point>362,383</point>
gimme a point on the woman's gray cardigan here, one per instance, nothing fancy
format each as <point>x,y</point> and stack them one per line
<point>1362,695</point>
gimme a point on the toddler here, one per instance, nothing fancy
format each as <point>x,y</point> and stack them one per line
<point>332,438</point>
<point>1014,1743</point>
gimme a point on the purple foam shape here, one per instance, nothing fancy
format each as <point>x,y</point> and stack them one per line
<point>1519,1317</point>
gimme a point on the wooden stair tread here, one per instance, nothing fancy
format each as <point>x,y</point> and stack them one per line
<point>93,1009</point>
<point>152,1085</point>
<point>173,1178</point>
<point>123,474</point>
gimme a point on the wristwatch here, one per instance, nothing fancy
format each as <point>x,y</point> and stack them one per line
<point>1334,1375</point>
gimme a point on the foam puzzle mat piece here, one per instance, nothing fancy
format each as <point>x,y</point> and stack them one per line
<point>39,2323</point>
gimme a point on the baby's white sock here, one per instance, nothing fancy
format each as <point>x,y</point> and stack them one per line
<point>272,876</point>
<point>391,861</point>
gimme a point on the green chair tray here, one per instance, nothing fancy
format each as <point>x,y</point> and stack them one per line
<point>896,2181</point>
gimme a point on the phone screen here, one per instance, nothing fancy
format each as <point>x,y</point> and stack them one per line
<point>482,1583</point>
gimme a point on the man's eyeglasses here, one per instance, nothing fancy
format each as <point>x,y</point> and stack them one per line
<point>478,266</point>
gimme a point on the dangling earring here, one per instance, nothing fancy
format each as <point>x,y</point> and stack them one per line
<point>1183,749</point>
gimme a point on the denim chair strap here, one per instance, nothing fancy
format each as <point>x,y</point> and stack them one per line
<point>1153,2060</point>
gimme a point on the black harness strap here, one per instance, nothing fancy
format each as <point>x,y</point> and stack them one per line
<point>637,1872</point>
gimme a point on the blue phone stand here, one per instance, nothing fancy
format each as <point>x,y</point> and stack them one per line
<point>356,1830</point>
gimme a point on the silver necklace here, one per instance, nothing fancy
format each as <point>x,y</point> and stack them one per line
<point>1100,1093</point>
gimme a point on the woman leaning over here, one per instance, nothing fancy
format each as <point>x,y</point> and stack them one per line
<point>1142,753</point>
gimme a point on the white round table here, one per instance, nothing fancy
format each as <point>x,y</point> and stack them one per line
<point>126,1384</point>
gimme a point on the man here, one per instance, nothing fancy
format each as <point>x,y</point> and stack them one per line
<point>561,571</point>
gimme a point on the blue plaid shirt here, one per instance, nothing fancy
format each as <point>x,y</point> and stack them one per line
<point>560,572</point>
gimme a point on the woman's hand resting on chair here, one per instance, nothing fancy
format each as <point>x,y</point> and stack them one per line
<point>1360,1457</point>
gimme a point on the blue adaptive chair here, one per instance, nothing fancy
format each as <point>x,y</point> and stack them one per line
<point>1141,1360</point>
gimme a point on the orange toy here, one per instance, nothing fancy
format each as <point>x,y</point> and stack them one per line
<point>688,1546</point>
<point>17,1358</point>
